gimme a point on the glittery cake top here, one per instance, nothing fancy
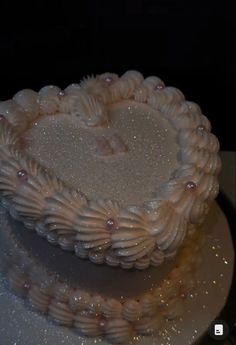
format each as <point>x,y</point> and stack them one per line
<point>115,169</point>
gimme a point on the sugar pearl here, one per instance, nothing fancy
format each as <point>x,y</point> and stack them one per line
<point>61,94</point>
<point>108,80</point>
<point>190,185</point>
<point>159,87</point>
<point>22,175</point>
<point>201,128</point>
<point>110,223</point>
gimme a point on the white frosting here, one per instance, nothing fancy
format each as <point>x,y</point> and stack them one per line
<point>8,136</point>
<point>28,100</point>
<point>89,110</point>
<point>91,224</point>
<point>88,325</point>
<point>48,99</point>
<point>118,331</point>
<point>30,197</point>
<point>61,211</point>
<point>61,313</point>
<point>15,114</point>
<point>38,299</point>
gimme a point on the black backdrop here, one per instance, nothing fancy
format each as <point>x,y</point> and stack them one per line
<point>189,44</point>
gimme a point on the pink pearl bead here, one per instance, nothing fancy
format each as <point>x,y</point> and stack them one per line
<point>110,223</point>
<point>22,175</point>
<point>190,185</point>
<point>159,87</point>
<point>201,128</point>
<point>2,117</point>
<point>108,80</point>
<point>61,94</point>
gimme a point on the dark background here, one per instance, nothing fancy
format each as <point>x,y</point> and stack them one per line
<point>189,44</point>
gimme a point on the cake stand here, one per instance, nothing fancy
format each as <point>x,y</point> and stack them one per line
<point>21,326</point>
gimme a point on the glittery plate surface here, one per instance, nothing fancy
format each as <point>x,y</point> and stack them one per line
<point>20,326</point>
<point>59,143</point>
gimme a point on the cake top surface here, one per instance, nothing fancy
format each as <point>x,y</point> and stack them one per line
<point>131,177</point>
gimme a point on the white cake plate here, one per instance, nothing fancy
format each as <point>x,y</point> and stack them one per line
<point>21,326</point>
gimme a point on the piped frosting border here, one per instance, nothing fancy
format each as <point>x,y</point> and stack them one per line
<point>117,320</point>
<point>100,230</point>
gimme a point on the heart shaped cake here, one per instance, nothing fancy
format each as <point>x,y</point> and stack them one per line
<point>117,170</point>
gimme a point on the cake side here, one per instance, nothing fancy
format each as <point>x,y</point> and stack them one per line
<point>101,230</point>
<point>92,313</point>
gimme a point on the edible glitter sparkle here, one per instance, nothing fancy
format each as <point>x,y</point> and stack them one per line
<point>59,143</point>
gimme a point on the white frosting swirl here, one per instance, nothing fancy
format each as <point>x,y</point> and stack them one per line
<point>148,86</point>
<point>118,331</point>
<point>61,313</point>
<point>28,100</point>
<point>112,259</point>
<point>142,263</point>
<point>48,99</point>
<point>80,251</point>
<point>92,224</point>
<point>148,304</point>
<point>132,244</point>
<point>161,99</point>
<point>97,87</point>
<point>132,310</point>
<point>9,182</point>
<point>96,305</point>
<point>29,199</point>
<point>8,136</point>
<point>97,257</point>
<point>67,242</point>
<point>199,138</point>
<point>39,300</point>
<point>168,227</point>
<point>61,210</point>
<point>17,280</point>
<point>14,114</point>
<point>89,110</point>
<point>157,258</point>
<point>79,300</point>
<point>134,78</point>
<point>88,325</point>
<point>62,292</point>
<point>112,308</point>
<point>8,151</point>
